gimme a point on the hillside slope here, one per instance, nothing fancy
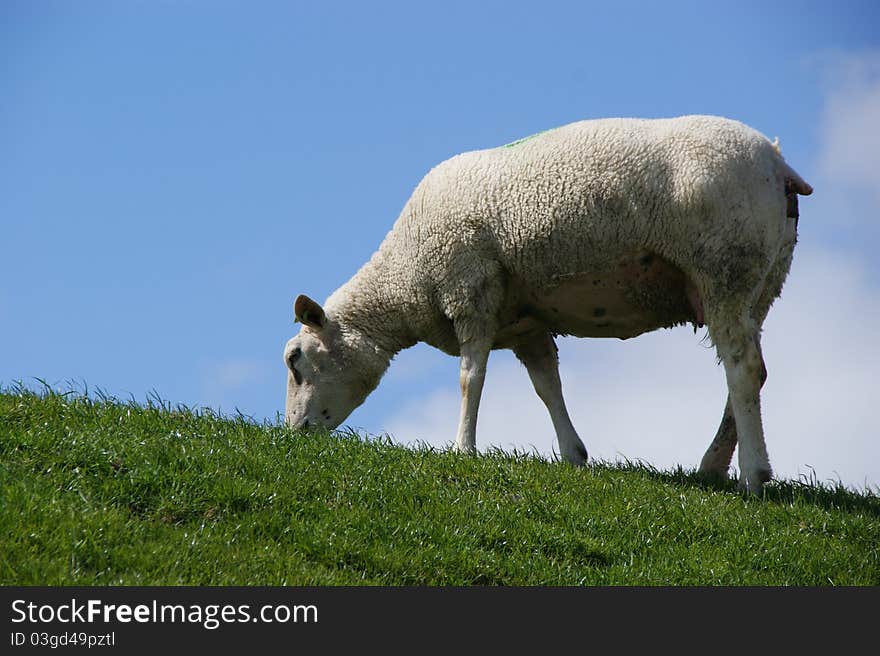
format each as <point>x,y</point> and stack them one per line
<point>95,492</point>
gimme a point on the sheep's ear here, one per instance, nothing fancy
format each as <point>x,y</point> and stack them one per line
<point>309,312</point>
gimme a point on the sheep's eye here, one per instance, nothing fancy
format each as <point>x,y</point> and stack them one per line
<point>293,357</point>
<point>291,360</point>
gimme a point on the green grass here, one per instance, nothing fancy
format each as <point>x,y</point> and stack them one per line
<point>97,492</point>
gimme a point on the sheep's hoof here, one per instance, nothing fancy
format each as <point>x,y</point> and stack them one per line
<point>576,456</point>
<point>466,450</point>
<point>713,475</point>
<point>753,483</point>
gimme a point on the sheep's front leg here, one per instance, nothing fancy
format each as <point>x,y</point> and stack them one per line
<point>541,359</point>
<point>474,356</point>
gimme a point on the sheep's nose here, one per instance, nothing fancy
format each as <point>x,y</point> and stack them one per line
<point>305,424</point>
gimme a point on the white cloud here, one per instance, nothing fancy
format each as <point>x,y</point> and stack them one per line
<point>851,122</point>
<point>659,398</point>
<point>230,383</point>
<point>234,373</point>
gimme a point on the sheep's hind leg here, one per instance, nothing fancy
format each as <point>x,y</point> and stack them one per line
<point>716,460</point>
<point>540,357</point>
<point>472,374</point>
<point>740,352</point>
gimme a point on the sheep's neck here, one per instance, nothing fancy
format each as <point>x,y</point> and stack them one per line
<point>372,303</point>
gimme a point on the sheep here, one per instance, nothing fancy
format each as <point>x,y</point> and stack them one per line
<point>599,228</point>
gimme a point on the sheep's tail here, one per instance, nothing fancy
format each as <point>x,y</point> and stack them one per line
<point>794,184</point>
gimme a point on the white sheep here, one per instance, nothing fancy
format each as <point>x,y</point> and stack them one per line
<point>602,228</point>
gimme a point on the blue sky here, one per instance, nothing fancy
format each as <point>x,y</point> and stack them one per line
<point>172,174</point>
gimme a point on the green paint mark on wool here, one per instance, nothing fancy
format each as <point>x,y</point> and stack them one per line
<point>524,139</point>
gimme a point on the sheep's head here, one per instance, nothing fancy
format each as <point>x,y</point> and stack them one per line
<point>330,369</point>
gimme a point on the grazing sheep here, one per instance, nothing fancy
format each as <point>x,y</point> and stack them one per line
<point>603,228</point>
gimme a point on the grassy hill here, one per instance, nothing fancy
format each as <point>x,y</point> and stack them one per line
<point>95,492</point>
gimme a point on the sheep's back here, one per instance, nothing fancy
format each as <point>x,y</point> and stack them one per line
<point>575,197</point>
